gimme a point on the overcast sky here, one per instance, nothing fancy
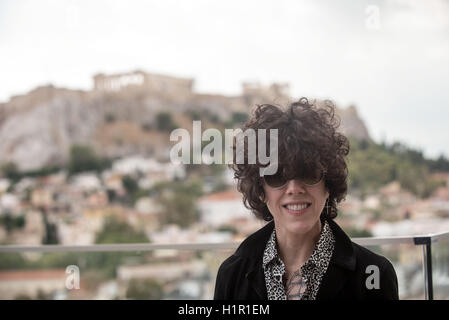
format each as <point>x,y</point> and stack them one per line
<point>388,58</point>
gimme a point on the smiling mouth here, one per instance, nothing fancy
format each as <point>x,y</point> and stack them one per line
<point>297,207</point>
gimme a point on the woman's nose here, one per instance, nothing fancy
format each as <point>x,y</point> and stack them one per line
<point>295,186</point>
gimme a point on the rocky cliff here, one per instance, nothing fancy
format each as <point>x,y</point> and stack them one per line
<point>118,118</point>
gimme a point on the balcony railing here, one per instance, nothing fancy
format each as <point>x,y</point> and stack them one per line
<point>433,249</point>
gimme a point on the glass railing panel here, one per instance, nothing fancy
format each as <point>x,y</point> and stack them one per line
<point>407,262</point>
<point>157,274</point>
<point>170,273</point>
<point>440,268</point>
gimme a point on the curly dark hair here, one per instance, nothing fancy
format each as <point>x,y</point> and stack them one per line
<point>307,138</point>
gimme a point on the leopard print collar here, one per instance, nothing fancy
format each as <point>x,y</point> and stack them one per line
<point>311,272</point>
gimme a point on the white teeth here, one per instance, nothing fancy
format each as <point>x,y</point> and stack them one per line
<point>297,207</point>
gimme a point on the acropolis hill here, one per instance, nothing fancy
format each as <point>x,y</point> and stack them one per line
<point>117,117</point>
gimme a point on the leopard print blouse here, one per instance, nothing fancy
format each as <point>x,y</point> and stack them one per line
<point>305,281</point>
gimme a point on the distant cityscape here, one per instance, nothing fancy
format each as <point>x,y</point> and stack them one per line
<point>90,186</point>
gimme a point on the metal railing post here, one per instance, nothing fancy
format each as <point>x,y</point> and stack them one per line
<point>426,243</point>
<point>428,248</point>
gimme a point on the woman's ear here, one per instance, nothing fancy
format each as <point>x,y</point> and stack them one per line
<point>327,194</point>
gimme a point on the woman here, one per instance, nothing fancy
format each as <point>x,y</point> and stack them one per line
<point>301,254</point>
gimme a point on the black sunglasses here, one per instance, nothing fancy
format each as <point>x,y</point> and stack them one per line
<point>309,178</point>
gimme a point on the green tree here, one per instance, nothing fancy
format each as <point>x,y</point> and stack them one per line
<point>12,260</point>
<point>51,230</point>
<point>116,231</point>
<point>228,228</point>
<point>10,222</point>
<point>83,158</point>
<point>358,233</point>
<point>10,171</point>
<point>373,165</point>
<point>130,184</point>
<point>440,164</point>
<point>147,289</point>
<point>239,117</point>
<point>164,121</point>
<point>194,114</point>
<point>179,209</point>
<point>41,172</point>
<point>109,117</point>
<point>178,200</point>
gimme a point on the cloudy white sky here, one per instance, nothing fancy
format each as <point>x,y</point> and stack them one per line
<point>389,58</point>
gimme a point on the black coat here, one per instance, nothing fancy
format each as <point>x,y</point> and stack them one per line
<point>241,276</point>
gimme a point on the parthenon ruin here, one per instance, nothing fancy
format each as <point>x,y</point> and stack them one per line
<point>142,80</point>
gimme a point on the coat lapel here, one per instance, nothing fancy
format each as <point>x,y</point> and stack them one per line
<point>253,252</point>
<point>256,280</point>
<point>342,263</point>
<point>332,283</point>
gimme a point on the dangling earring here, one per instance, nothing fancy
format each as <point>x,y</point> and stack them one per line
<point>327,207</point>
